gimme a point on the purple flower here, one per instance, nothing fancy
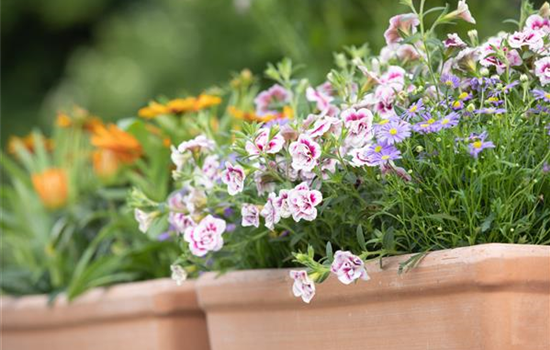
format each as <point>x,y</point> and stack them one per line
<point>428,125</point>
<point>478,143</point>
<point>163,236</point>
<point>541,95</point>
<point>380,154</point>
<point>449,121</point>
<point>450,80</point>
<point>490,110</point>
<point>394,131</point>
<point>414,110</point>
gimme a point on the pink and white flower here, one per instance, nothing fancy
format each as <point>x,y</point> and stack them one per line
<point>348,267</point>
<point>328,165</point>
<point>233,176</point>
<point>144,219</point>
<point>405,23</point>
<point>209,172</point>
<point>462,12</point>
<point>264,182</point>
<point>453,40</point>
<point>199,143</point>
<point>324,125</point>
<point>361,157</point>
<point>538,23</point>
<point>305,152</point>
<point>179,275</point>
<point>250,215</point>
<point>530,38</point>
<point>542,70</point>
<point>302,202</point>
<point>272,100</point>
<point>178,158</point>
<point>262,143</point>
<point>270,212</point>
<point>206,236</point>
<point>490,58</point>
<point>322,99</point>
<point>359,126</point>
<point>180,221</point>
<point>303,286</point>
<point>281,202</point>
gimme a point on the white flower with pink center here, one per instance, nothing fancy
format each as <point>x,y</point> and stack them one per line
<point>489,55</point>
<point>303,202</point>
<point>206,236</point>
<point>538,23</point>
<point>272,100</point>
<point>144,219</point>
<point>327,166</point>
<point>305,152</point>
<point>180,221</point>
<point>361,157</point>
<point>318,96</point>
<point>199,143</point>
<point>393,79</point>
<point>463,12</point>
<point>359,126</point>
<point>233,176</point>
<point>281,202</point>
<point>324,125</point>
<point>453,40</point>
<point>542,70</point>
<point>303,286</point>
<point>401,24</point>
<point>270,212</point>
<point>208,174</point>
<point>528,37</point>
<point>250,215</point>
<point>263,144</point>
<point>348,267</point>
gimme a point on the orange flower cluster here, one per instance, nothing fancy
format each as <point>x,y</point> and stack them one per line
<point>52,186</point>
<point>179,105</point>
<point>28,143</point>
<point>253,117</point>
<point>81,118</point>
<point>115,147</point>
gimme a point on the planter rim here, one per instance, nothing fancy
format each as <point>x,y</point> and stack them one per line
<point>154,298</point>
<point>458,270</point>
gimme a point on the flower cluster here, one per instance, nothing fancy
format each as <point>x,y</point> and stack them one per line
<point>399,152</point>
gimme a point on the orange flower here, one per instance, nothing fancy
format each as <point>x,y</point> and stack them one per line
<point>28,143</point>
<point>63,120</point>
<point>206,101</point>
<point>52,187</point>
<point>105,163</point>
<point>250,116</point>
<point>152,110</point>
<point>181,105</point>
<point>125,147</point>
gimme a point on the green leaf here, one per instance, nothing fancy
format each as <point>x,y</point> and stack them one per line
<point>361,237</point>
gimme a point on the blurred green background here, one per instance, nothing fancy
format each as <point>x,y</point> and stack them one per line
<point>112,56</point>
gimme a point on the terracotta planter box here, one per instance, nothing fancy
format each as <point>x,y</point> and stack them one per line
<point>145,315</point>
<point>491,297</point>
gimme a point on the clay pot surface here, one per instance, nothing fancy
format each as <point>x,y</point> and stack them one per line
<point>155,314</point>
<point>491,297</point>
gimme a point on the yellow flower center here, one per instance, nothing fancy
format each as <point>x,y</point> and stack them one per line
<point>445,121</point>
<point>547,95</point>
<point>377,149</point>
<point>477,144</point>
<point>449,83</point>
<point>456,104</point>
<point>413,109</point>
<point>393,131</point>
<point>430,121</point>
<point>462,96</point>
<point>385,157</point>
<point>383,121</point>
<point>424,125</point>
<point>492,99</point>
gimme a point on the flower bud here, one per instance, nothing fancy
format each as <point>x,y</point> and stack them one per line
<point>471,107</point>
<point>472,34</point>
<point>545,10</point>
<point>523,78</point>
<point>484,71</point>
<point>419,149</point>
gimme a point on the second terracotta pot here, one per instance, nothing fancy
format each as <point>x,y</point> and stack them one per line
<point>155,314</point>
<point>491,297</point>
